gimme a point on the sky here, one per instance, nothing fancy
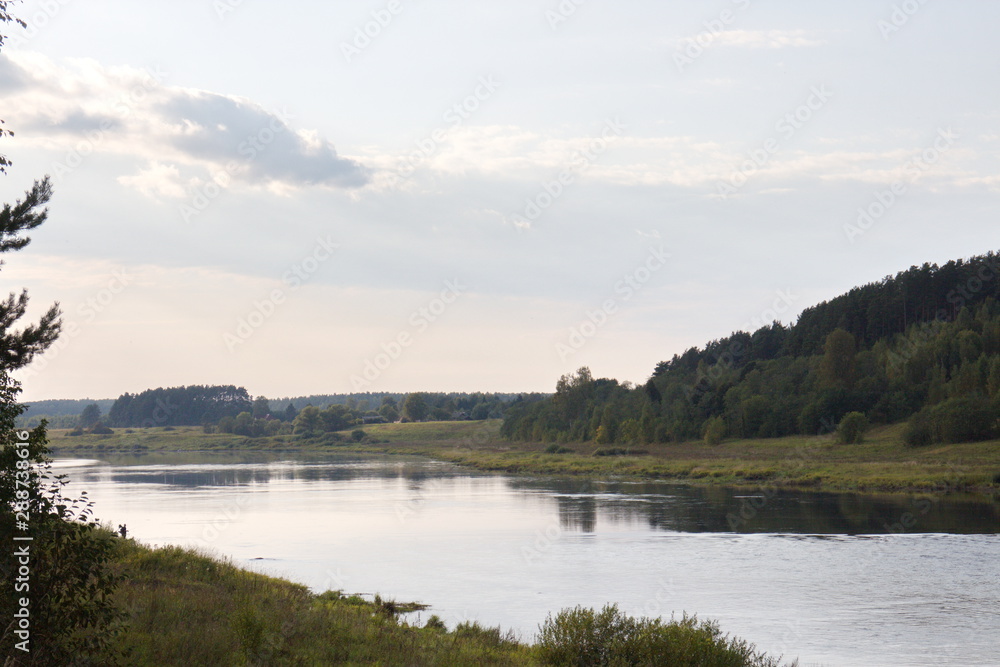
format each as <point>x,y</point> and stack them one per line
<point>326,197</point>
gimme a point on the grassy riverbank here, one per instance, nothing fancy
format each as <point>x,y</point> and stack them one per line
<point>883,463</point>
<point>184,608</point>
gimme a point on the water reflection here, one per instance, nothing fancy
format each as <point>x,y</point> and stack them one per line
<point>695,509</point>
<point>582,505</point>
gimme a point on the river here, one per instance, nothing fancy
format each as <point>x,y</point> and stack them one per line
<point>832,579</point>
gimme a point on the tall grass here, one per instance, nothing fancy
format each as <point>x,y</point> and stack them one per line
<point>186,608</point>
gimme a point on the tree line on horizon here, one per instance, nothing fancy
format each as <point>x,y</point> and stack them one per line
<point>231,409</point>
<point>922,346</point>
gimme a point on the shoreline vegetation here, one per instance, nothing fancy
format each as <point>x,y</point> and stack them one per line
<point>182,607</point>
<point>882,463</point>
<point>187,607</point>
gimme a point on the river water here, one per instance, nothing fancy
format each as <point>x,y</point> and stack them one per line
<point>830,579</point>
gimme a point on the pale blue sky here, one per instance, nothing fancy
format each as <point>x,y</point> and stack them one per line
<point>268,135</point>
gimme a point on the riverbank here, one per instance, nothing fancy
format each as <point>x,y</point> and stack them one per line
<point>881,464</point>
<point>180,607</point>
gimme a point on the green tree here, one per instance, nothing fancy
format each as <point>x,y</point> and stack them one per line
<point>243,424</point>
<point>308,421</point>
<point>415,407</point>
<point>715,430</point>
<point>993,385</point>
<point>852,427</point>
<point>261,408</point>
<point>90,416</point>
<point>836,368</point>
<point>389,412</point>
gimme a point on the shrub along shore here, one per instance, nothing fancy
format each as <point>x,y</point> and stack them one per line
<point>185,608</point>
<point>881,463</point>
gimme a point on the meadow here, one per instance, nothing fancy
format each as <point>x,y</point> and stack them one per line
<point>881,463</point>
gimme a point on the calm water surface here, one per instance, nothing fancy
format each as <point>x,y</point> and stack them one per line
<point>833,579</point>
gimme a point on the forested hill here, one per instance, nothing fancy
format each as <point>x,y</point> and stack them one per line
<point>924,344</point>
<point>878,310</point>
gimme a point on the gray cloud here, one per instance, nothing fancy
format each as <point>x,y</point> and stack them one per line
<point>12,77</point>
<point>222,129</point>
<point>79,122</point>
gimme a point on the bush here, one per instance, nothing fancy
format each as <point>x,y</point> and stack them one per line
<point>966,419</point>
<point>582,636</point>
<point>918,431</point>
<point>851,429</point>
<point>618,451</point>
<point>558,449</point>
<point>435,623</point>
<point>101,429</point>
<point>715,430</point>
<point>357,435</point>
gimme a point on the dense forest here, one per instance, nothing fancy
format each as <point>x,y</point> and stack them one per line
<point>923,345</point>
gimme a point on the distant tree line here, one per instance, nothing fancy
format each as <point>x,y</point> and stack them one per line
<point>923,345</point>
<point>179,406</point>
<point>231,409</point>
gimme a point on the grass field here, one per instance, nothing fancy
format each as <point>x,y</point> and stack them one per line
<point>186,608</point>
<point>881,464</point>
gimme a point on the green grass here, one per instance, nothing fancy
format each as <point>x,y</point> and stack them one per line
<point>882,463</point>
<point>186,608</point>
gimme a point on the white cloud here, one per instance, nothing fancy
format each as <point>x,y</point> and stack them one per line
<point>156,181</point>
<point>81,107</point>
<point>766,39</point>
